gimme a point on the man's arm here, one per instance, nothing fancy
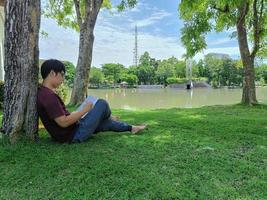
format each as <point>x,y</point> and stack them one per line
<point>65,121</point>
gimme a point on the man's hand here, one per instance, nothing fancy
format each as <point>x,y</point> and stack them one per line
<point>65,121</point>
<point>88,107</point>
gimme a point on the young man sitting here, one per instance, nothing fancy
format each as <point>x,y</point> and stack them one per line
<point>76,126</point>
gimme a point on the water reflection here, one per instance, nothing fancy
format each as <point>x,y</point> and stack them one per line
<point>189,99</point>
<point>167,98</point>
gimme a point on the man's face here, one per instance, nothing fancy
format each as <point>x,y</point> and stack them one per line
<point>57,78</point>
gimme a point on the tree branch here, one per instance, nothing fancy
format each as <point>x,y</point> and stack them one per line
<point>2,2</point>
<point>226,8</point>
<point>243,13</point>
<point>88,8</point>
<point>98,5</point>
<point>60,5</point>
<point>261,11</point>
<point>256,25</point>
<point>78,12</point>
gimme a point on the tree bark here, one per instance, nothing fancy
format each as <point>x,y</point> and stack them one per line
<point>81,79</point>
<point>249,91</point>
<point>22,26</point>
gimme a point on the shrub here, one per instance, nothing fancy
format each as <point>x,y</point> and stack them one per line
<point>173,80</point>
<point>131,79</point>
<point>70,72</point>
<point>205,79</point>
<point>1,94</point>
<point>96,76</point>
<point>62,92</point>
<point>214,84</point>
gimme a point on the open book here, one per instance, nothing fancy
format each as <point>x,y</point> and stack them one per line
<point>91,99</point>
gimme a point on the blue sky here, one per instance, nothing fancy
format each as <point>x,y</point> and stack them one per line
<point>158,33</point>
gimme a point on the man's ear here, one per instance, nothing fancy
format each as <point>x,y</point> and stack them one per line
<point>52,73</point>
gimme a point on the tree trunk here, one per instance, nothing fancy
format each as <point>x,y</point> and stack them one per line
<point>21,68</point>
<point>249,91</point>
<point>81,79</point>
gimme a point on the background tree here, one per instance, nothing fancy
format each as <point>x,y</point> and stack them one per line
<point>96,76</point>
<point>2,84</point>
<point>22,24</point>
<point>230,75</point>
<point>81,15</point>
<point>131,79</point>
<point>215,67</point>
<point>263,51</point>
<point>180,67</point>
<point>113,71</point>
<point>222,71</point>
<point>202,71</point>
<point>154,63</point>
<point>132,69</point>
<point>249,17</point>
<point>194,69</point>
<point>261,73</point>
<point>165,70</point>
<point>145,59</point>
<point>70,72</point>
<point>236,75</point>
<point>145,72</point>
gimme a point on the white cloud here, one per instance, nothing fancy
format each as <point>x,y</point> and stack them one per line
<point>114,39</point>
<point>114,42</point>
<point>154,18</point>
<point>61,43</point>
<point>230,30</point>
<point>231,51</point>
<point>137,9</point>
<point>118,47</point>
<point>220,41</point>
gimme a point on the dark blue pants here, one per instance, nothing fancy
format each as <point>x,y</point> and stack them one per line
<point>98,120</point>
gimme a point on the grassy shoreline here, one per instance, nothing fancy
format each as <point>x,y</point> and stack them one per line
<point>216,152</point>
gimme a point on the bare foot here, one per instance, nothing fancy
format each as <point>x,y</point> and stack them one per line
<point>137,129</point>
<point>115,118</point>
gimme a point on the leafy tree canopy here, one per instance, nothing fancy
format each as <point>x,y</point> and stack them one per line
<point>67,13</point>
<point>70,72</point>
<point>113,71</point>
<point>145,59</point>
<point>96,76</point>
<point>165,69</point>
<point>131,79</point>
<point>202,16</point>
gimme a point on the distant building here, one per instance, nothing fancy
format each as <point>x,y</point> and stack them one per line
<point>2,20</point>
<point>219,55</point>
<point>123,84</point>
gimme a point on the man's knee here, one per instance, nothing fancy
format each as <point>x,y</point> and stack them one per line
<point>102,102</point>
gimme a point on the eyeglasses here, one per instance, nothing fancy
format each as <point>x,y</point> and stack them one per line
<point>62,74</point>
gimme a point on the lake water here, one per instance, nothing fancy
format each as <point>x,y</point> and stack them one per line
<point>169,98</point>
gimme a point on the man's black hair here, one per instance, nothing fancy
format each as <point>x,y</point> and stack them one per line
<point>52,65</point>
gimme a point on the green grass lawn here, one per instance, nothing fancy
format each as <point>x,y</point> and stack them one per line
<point>217,152</point>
